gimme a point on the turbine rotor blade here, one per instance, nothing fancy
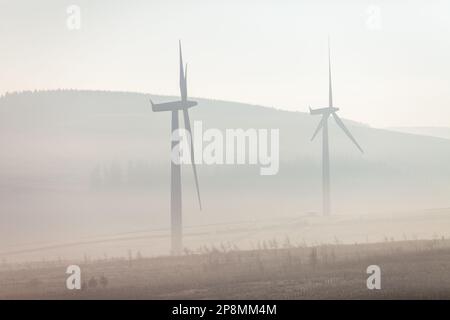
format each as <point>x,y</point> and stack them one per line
<point>330,89</point>
<point>346,131</point>
<point>187,124</point>
<point>320,126</point>
<point>183,89</point>
<point>185,81</point>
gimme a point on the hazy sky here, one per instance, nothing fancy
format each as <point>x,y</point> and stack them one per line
<point>390,58</point>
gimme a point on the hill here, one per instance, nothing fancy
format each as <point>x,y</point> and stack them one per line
<point>438,132</point>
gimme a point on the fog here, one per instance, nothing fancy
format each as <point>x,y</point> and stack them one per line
<point>88,172</point>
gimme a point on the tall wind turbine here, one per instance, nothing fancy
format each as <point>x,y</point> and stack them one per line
<point>175,187</point>
<point>323,125</point>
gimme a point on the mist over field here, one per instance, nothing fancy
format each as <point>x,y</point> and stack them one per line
<point>88,172</point>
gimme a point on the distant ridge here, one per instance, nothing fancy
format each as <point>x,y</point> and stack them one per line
<point>438,132</point>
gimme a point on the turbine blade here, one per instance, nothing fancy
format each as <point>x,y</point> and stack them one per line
<point>183,90</point>
<point>330,89</point>
<point>187,124</point>
<point>185,80</point>
<point>347,132</point>
<point>320,126</point>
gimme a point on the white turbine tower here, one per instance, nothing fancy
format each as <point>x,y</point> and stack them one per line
<point>175,187</point>
<point>323,125</point>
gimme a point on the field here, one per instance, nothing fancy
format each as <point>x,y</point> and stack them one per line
<point>417,269</point>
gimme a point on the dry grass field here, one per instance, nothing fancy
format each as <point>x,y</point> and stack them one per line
<point>416,269</point>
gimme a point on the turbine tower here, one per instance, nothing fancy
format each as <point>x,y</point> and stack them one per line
<point>175,187</point>
<point>323,125</point>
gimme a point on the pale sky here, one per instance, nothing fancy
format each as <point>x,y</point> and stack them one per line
<point>390,58</point>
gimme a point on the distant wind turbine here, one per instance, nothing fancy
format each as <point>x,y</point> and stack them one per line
<point>323,125</point>
<point>175,188</point>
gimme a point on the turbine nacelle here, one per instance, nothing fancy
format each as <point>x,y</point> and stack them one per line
<point>323,111</point>
<point>173,106</point>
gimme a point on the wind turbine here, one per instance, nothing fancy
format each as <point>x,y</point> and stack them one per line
<point>323,125</point>
<point>175,187</point>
